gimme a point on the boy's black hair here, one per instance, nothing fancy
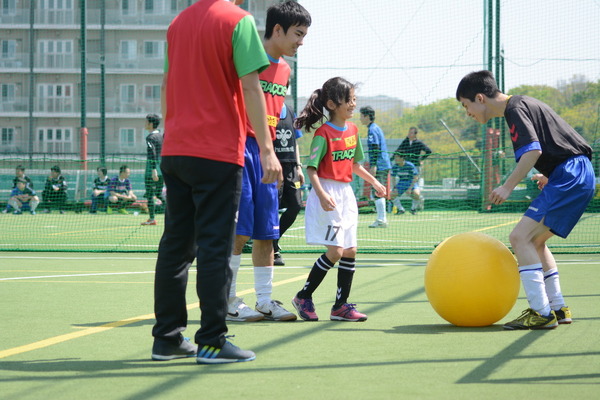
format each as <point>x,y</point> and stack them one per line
<point>477,82</point>
<point>122,168</point>
<point>286,14</point>
<point>369,112</point>
<point>20,168</point>
<point>153,119</point>
<point>55,168</point>
<point>103,169</point>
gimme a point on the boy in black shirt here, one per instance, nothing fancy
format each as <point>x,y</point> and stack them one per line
<point>543,140</point>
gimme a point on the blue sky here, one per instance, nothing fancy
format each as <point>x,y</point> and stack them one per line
<point>419,50</point>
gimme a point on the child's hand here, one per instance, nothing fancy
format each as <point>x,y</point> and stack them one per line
<point>379,189</point>
<point>327,203</point>
<point>541,180</point>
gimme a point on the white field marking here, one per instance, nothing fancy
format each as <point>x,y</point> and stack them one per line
<point>75,275</point>
<point>102,328</point>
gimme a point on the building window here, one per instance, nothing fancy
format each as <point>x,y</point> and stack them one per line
<point>127,137</point>
<point>152,93</point>
<point>55,140</point>
<point>56,53</point>
<point>127,94</point>
<point>8,92</point>
<point>8,49</point>
<point>154,49</point>
<point>157,6</point>
<point>128,7</point>
<point>128,52</point>
<point>55,97</point>
<point>8,136</point>
<point>56,11</point>
<point>9,7</point>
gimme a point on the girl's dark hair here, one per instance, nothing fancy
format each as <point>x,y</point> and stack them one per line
<point>286,14</point>
<point>477,82</point>
<point>335,89</point>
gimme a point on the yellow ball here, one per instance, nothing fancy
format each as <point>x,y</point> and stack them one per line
<point>471,279</point>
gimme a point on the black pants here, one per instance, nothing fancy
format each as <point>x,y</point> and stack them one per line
<point>203,198</point>
<point>153,189</point>
<point>290,198</point>
<point>52,198</point>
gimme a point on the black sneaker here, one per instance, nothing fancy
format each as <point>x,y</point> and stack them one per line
<point>413,211</point>
<point>277,260</point>
<point>229,353</point>
<point>164,350</point>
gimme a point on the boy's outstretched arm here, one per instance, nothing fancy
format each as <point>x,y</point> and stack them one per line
<point>526,162</point>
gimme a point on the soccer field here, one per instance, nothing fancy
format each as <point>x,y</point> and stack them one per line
<point>79,325</point>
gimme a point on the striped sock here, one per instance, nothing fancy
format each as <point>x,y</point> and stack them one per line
<point>315,277</point>
<point>552,283</point>
<point>346,270</point>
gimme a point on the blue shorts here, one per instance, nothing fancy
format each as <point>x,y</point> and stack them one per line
<point>258,215</point>
<point>403,186</point>
<point>565,197</point>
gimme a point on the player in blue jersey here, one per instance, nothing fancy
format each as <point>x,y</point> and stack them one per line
<point>379,161</point>
<point>541,139</point>
<point>23,198</point>
<point>406,177</point>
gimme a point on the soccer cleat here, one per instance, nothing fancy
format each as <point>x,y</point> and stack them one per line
<point>531,319</point>
<point>563,315</point>
<point>149,222</point>
<point>347,312</point>
<point>278,260</point>
<point>413,211</point>
<point>5,211</point>
<point>273,311</point>
<point>164,350</point>
<point>123,211</point>
<point>229,353</point>
<point>398,211</point>
<point>238,311</point>
<point>17,212</point>
<point>33,212</point>
<point>378,224</point>
<point>305,308</point>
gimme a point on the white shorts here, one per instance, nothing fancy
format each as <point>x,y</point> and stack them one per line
<point>332,228</point>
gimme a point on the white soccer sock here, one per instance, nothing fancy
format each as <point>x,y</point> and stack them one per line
<point>234,264</point>
<point>33,204</point>
<point>532,277</point>
<point>415,205</point>
<point>553,291</point>
<point>263,284</point>
<point>380,207</point>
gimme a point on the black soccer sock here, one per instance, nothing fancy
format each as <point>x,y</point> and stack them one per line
<point>346,270</point>
<point>315,277</point>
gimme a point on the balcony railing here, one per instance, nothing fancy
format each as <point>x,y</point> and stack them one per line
<point>72,105</point>
<point>72,17</point>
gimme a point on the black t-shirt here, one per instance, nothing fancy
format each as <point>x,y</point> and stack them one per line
<point>530,121</point>
<point>285,140</point>
<point>414,152</point>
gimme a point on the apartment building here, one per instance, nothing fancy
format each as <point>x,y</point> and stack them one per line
<point>42,104</point>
